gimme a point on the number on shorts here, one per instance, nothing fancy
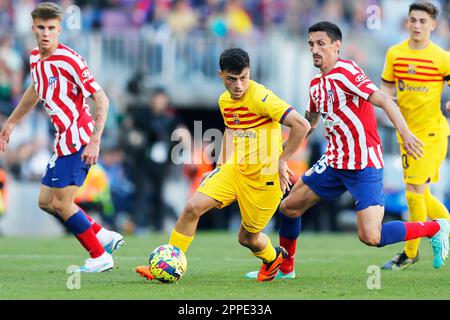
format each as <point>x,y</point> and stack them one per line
<point>321,165</point>
<point>405,163</point>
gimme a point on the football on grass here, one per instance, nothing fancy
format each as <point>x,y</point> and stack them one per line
<point>167,263</point>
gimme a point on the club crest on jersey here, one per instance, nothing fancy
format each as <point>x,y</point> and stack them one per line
<point>411,69</point>
<point>52,82</point>
<point>236,119</point>
<point>86,73</point>
<point>331,95</point>
<point>360,78</point>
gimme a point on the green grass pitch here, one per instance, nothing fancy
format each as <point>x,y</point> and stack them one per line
<point>329,266</point>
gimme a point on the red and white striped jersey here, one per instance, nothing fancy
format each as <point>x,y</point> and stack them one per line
<point>340,97</point>
<point>63,81</point>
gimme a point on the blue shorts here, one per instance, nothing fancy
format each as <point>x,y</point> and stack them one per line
<point>366,185</point>
<point>66,171</point>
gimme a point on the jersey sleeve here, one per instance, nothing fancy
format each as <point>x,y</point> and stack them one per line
<point>446,73</point>
<point>355,82</point>
<point>32,61</point>
<point>83,77</point>
<point>268,104</point>
<point>311,107</point>
<point>388,69</point>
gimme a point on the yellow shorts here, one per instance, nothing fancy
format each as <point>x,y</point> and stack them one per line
<point>425,169</point>
<point>257,206</point>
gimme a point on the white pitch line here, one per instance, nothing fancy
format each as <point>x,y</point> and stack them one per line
<point>54,256</point>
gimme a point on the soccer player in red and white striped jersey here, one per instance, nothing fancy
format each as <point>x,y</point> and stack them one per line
<point>340,97</point>
<point>343,97</point>
<point>63,82</point>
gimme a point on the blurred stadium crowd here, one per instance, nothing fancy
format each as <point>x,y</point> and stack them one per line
<point>126,188</point>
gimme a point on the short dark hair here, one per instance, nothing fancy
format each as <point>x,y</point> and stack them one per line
<point>234,60</point>
<point>428,7</point>
<point>159,91</point>
<point>47,11</point>
<point>330,28</point>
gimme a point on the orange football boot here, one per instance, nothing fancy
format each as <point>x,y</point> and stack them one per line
<point>144,271</point>
<point>269,270</point>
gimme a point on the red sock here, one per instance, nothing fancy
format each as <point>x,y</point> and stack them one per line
<point>291,246</point>
<point>95,226</point>
<point>89,241</point>
<point>416,230</point>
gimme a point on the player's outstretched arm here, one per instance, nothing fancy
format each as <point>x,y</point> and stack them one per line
<point>299,129</point>
<point>28,101</point>
<point>412,145</point>
<point>389,89</point>
<point>92,150</point>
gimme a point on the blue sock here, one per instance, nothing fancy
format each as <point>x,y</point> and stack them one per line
<point>78,223</point>
<point>290,227</point>
<point>392,232</point>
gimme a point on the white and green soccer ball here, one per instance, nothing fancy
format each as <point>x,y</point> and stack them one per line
<point>167,263</point>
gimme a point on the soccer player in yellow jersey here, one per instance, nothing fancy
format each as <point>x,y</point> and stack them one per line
<point>415,70</point>
<point>252,167</point>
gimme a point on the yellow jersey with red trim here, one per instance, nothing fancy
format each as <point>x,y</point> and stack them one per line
<point>419,76</point>
<point>255,120</point>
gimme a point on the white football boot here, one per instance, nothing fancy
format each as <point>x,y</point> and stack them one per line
<point>103,263</point>
<point>110,240</point>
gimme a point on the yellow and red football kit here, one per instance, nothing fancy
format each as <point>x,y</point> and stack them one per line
<point>419,76</point>
<point>250,175</point>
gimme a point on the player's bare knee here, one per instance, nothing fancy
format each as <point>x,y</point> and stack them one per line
<point>285,210</point>
<point>193,209</point>
<point>43,206</point>
<point>58,206</point>
<point>46,206</point>
<point>246,239</point>
<point>371,240</point>
<point>288,210</point>
<point>245,242</point>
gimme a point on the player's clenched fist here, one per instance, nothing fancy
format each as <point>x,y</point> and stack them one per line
<point>90,153</point>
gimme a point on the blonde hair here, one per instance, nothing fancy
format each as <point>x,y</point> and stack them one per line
<point>47,11</point>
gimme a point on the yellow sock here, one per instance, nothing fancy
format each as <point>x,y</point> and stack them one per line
<point>435,208</point>
<point>417,212</point>
<point>180,240</point>
<point>268,254</point>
